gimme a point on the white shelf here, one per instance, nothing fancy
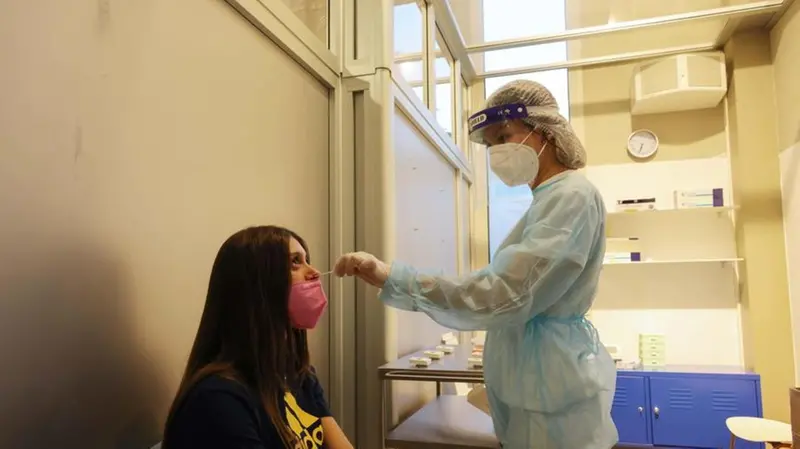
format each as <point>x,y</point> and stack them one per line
<point>677,261</point>
<point>696,210</point>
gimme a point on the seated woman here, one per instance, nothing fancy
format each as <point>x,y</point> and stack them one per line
<point>248,383</point>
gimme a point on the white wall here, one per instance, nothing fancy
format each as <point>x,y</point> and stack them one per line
<point>694,304</point>
<point>134,138</point>
<point>790,190</point>
<point>427,238</point>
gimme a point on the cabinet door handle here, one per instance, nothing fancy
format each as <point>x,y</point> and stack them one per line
<point>656,411</point>
<point>641,410</point>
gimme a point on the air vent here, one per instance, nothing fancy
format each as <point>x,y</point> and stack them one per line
<point>679,83</point>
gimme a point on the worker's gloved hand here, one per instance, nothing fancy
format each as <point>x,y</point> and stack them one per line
<point>365,266</point>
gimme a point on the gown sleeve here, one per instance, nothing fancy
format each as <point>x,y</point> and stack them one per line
<point>523,280</point>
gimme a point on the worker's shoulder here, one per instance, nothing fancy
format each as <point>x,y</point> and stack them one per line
<point>575,184</point>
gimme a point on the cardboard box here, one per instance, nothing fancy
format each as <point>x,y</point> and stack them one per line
<point>688,199</point>
<point>794,405</point>
<point>479,399</point>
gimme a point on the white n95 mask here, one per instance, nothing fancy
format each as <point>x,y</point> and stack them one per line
<point>515,164</point>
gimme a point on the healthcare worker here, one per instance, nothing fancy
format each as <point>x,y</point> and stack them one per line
<point>549,380</point>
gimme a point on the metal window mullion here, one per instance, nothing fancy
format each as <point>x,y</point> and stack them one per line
<point>453,39</point>
<point>458,106</point>
<point>602,60</point>
<point>333,17</point>
<point>750,9</point>
<point>429,55</point>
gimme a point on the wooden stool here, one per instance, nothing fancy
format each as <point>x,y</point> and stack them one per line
<point>759,430</point>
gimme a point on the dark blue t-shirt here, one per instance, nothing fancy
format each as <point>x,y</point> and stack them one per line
<point>220,413</point>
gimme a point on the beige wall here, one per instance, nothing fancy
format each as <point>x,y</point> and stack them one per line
<point>600,109</point>
<point>785,45</point>
<point>600,96</point>
<point>134,138</point>
<point>766,324</point>
<point>313,13</point>
<point>599,12</point>
<point>427,238</point>
<point>583,13</point>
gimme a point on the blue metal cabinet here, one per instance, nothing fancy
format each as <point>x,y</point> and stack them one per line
<point>691,411</point>
<point>631,409</point>
<point>683,408</point>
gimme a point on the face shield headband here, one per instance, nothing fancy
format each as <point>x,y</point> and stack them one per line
<point>479,121</point>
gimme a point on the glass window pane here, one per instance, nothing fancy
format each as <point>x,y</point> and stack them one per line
<point>469,16</point>
<point>601,13</point>
<point>511,19</point>
<point>646,39</point>
<point>674,35</point>
<point>407,29</point>
<point>514,58</point>
<point>444,106</point>
<point>508,204</point>
<point>411,71</point>
<point>313,13</point>
<point>408,41</point>
<point>442,67</point>
<point>482,21</point>
<point>444,85</point>
<point>499,25</point>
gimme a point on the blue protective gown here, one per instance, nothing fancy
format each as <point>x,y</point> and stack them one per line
<point>549,380</point>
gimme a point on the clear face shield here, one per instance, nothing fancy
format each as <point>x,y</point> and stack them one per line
<point>514,163</point>
<point>480,121</point>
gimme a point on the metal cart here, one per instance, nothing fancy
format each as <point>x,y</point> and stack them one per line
<point>449,421</point>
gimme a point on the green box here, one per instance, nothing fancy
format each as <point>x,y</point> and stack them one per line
<point>652,339</point>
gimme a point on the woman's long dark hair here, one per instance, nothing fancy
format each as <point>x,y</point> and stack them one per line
<point>245,334</point>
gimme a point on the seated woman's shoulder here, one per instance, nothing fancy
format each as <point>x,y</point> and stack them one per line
<point>218,382</point>
<point>216,387</point>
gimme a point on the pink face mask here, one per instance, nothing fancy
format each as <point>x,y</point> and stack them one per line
<point>307,302</point>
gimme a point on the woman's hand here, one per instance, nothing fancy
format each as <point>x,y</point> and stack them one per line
<point>365,266</point>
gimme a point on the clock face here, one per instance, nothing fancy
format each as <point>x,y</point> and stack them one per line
<point>642,144</point>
